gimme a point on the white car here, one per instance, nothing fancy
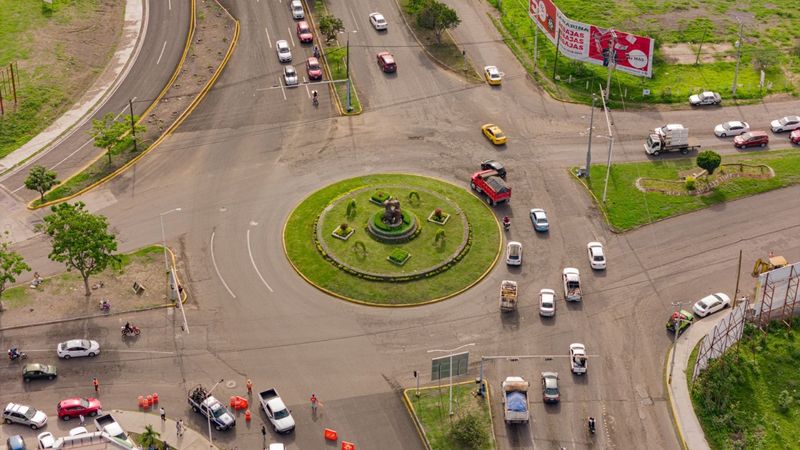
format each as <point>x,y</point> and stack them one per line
<point>284,52</point>
<point>46,440</point>
<point>732,128</point>
<point>276,446</point>
<point>787,123</point>
<point>514,253</point>
<point>597,257</point>
<point>577,358</point>
<point>78,347</point>
<point>711,304</point>
<point>290,76</point>
<point>78,431</point>
<point>377,21</point>
<point>705,98</point>
<point>547,303</point>
<point>296,7</point>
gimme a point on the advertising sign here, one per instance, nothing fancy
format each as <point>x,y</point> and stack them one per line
<point>593,44</point>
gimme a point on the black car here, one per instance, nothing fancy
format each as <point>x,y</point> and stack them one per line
<point>34,371</point>
<point>497,166</point>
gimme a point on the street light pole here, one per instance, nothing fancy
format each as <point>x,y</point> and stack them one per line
<point>677,325</point>
<point>133,127</point>
<point>589,150</point>
<point>450,356</point>
<point>208,415</point>
<point>347,68</point>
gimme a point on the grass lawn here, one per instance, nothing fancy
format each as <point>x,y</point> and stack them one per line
<point>53,71</point>
<point>627,207</point>
<point>752,401</point>
<point>424,252</point>
<point>766,46</point>
<point>432,409</point>
<point>304,256</point>
<point>337,64</point>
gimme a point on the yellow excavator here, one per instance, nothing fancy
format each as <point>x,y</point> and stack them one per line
<point>770,263</point>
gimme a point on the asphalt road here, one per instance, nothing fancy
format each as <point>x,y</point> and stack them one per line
<point>164,39</point>
<point>246,157</point>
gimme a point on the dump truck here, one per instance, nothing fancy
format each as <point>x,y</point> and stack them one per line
<point>572,284</point>
<point>670,138</point>
<point>491,185</point>
<point>508,295</point>
<point>212,409</point>
<point>515,400</point>
<point>276,411</point>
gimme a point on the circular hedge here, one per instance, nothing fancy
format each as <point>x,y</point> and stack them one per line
<point>358,268</point>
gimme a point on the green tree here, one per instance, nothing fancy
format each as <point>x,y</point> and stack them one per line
<point>438,17</point>
<point>41,180</point>
<point>709,161</point>
<point>329,26</point>
<point>11,265</point>
<point>110,134</point>
<point>469,433</point>
<point>149,437</point>
<point>80,240</point>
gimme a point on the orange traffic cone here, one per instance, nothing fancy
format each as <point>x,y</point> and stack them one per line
<point>331,435</point>
<point>247,415</point>
<point>348,445</point>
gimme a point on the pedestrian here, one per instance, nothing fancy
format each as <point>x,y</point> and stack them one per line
<point>264,432</point>
<point>96,384</point>
<point>314,403</point>
<point>80,417</point>
<point>249,387</point>
<point>178,428</point>
<point>163,413</point>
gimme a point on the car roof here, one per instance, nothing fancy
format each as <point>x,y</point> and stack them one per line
<point>282,43</point>
<point>514,243</point>
<point>734,122</point>
<point>376,15</point>
<point>757,133</point>
<point>312,59</point>
<point>70,401</point>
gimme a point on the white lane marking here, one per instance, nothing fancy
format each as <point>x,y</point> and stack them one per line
<point>142,351</point>
<point>291,37</point>
<point>169,3</point>
<point>355,22</point>
<point>268,39</point>
<point>214,261</point>
<point>162,52</point>
<point>253,262</point>
<point>283,91</point>
<point>307,91</point>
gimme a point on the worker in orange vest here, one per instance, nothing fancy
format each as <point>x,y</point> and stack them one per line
<point>249,386</point>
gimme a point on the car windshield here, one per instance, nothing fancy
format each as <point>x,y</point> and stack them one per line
<point>84,403</point>
<point>547,303</point>
<point>313,66</point>
<point>551,391</point>
<point>281,414</point>
<point>498,133</point>
<point>303,29</point>
<point>731,125</point>
<point>289,72</point>
<point>217,410</point>
<point>30,413</point>
<point>598,257</point>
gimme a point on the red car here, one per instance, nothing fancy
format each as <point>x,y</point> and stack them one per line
<point>795,137</point>
<point>77,406</point>
<point>751,139</point>
<point>304,32</point>
<point>313,69</point>
<point>386,62</point>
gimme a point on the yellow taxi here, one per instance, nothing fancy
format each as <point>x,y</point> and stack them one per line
<point>494,134</point>
<point>493,76</point>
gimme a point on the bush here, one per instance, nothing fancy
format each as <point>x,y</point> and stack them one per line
<point>690,184</point>
<point>468,433</point>
<point>399,256</point>
<point>380,197</point>
<point>785,400</point>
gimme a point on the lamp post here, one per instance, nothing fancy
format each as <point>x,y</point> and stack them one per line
<point>347,69</point>
<point>167,268</point>
<point>677,325</point>
<point>450,356</point>
<point>208,414</point>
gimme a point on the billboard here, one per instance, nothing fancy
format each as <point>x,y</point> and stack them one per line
<point>593,44</point>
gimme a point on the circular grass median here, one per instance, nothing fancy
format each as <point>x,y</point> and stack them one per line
<point>328,241</point>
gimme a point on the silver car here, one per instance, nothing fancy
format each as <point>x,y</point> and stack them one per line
<point>732,128</point>
<point>24,415</point>
<point>787,123</point>
<point>284,52</point>
<point>290,76</point>
<point>547,303</point>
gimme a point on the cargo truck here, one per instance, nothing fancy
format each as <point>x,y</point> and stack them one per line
<point>515,400</point>
<point>670,138</point>
<point>508,295</point>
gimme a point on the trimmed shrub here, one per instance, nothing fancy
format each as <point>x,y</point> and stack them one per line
<point>690,183</point>
<point>468,433</point>
<point>399,256</point>
<point>380,197</point>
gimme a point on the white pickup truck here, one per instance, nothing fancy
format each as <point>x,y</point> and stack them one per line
<point>515,400</point>
<point>572,284</point>
<point>277,412</point>
<point>577,358</point>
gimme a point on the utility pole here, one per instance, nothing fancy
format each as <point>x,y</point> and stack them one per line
<point>738,55</point>
<point>610,143</point>
<point>535,47</point>
<point>589,150</point>
<point>612,61</point>
<point>347,68</point>
<point>555,62</point>
<point>133,128</point>
<point>677,325</point>
<point>738,275</point>
<point>702,39</point>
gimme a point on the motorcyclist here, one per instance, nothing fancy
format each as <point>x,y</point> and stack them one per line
<point>105,305</point>
<point>128,328</point>
<point>13,353</point>
<point>506,222</point>
<point>316,52</point>
<point>591,424</point>
<point>314,97</point>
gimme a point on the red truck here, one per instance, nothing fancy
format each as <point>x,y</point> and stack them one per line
<point>490,184</point>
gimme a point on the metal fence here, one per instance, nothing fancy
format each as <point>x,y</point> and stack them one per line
<point>726,333</point>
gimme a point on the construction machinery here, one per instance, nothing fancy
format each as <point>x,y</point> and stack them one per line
<point>769,263</point>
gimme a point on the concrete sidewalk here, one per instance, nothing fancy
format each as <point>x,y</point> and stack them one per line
<point>689,429</point>
<point>135,421</point>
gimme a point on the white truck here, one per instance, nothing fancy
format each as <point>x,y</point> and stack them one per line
<point>106,423</point>
<point>672,137</point>
<point>577,358</point>
<point>572,284</point>
<point>276,411</point>
<point>515,400</point>
<point>508,295</point>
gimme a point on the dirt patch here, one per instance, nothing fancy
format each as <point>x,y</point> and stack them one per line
<point>62,296</point>
<point>687,53</point>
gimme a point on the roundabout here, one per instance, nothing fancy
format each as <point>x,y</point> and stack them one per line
<point>392,239</point>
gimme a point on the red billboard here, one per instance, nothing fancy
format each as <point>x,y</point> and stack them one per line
<point>545,14</point>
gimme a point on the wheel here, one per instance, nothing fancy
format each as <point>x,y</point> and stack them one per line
<point>275,428</point>
<point>8,420</point>
<point>27,380</point>
<point>684,151</point>
<point>218,427</point>
<point>656,153</point>
<point>67,417</point>
<point>91,355</point>
<point>93,413</point>
<point>723,135</point>
<point>472,186</point>
<point>488,200</point>
<point>67,357</point>
<point>50,377</point>
<point>763,145</point>
<point>34,427</point>
<point>137,332</point>
<point>194,409</point>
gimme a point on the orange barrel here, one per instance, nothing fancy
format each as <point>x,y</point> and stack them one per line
<point>155,397</point>
<point>331,435</point>
<point>247,415</point>
<point>149,401</point>
<point>141,401</point>
<point>348,445</point>
<point>233,401</point>
<point>243,403</point>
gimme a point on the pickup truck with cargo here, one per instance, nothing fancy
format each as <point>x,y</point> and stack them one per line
<point>577,358</point>
<point>508,295</point>
<point>491,185</point>
<point>276,411</point>
<point>670,138</point>
<point>515,400</point>
<point>572,284</point>
<point>107,424</point>
<point>211,408</point>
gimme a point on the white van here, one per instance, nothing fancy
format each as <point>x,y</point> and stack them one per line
<point>296,6</point>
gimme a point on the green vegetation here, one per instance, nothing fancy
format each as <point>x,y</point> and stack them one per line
<point>772,43</point>
<point>399,256</point>
<point>335,56</point>
<point>750,397</point>
<point>469,427</point>
<point>12,264</point>
<point>41,180</point>
<point>627,207</point>
<point>43,92</point>
<point>301,250</point>
<point>441,45</point>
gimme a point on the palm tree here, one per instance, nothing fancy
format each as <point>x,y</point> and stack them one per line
<point>149,437</point>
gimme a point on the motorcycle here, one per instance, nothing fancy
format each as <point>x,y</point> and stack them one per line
<point>591,425</point>
<point>132,331</point>
<point>17,355</point>
<point>506,223</point>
